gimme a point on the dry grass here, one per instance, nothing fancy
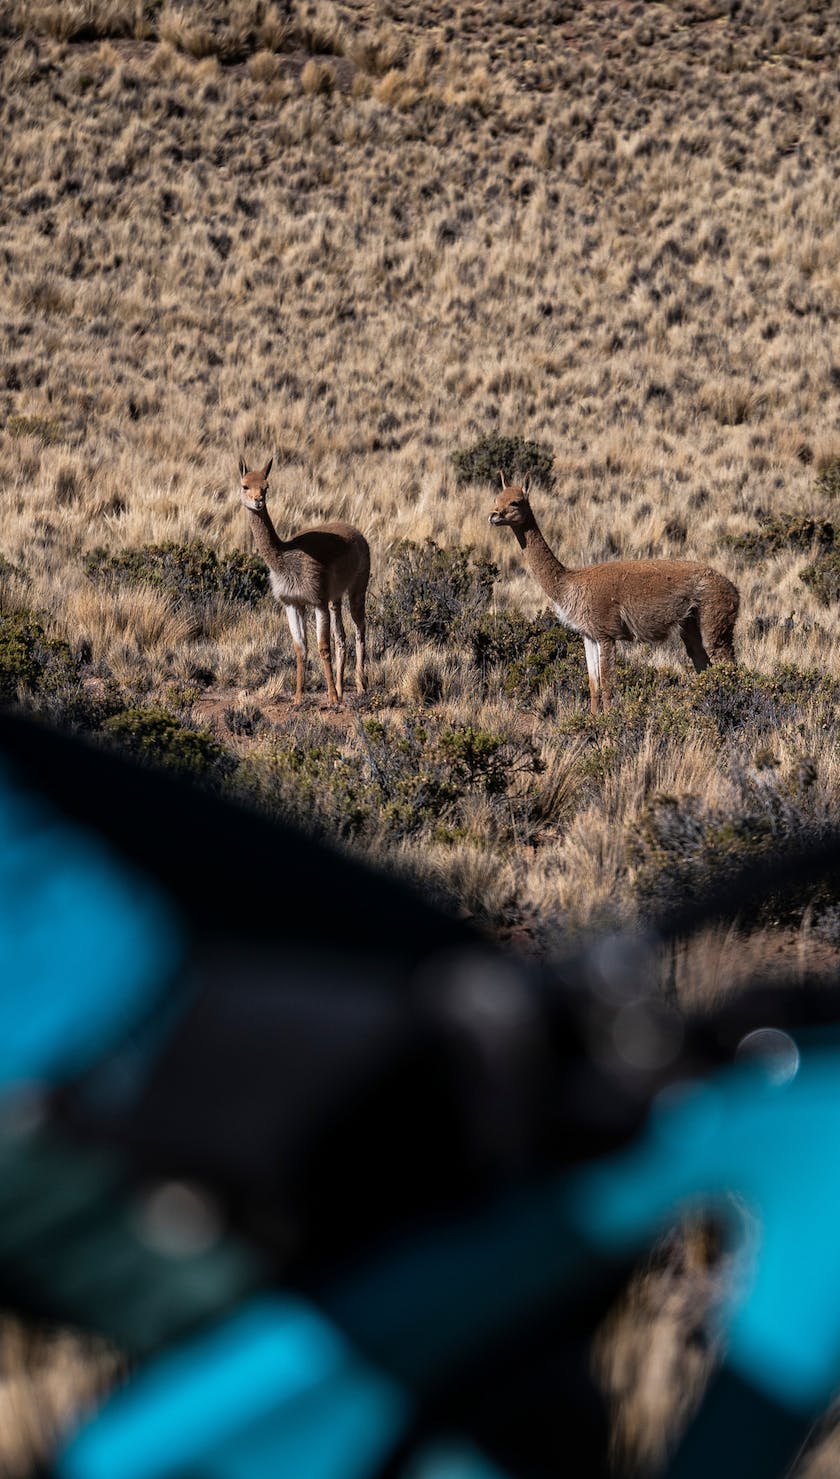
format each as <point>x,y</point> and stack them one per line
<point>360,236</point>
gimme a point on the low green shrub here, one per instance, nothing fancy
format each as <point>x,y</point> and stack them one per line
<point>433,594</point>
<point>155,737</point>
<point>314,784</point>
<point>191,572</point>
<point>776,533</point>
<point>727,706</point>
<point>393,780</point>
<point>827,481</point>
<point>30,660</point>
<point>515,457</point>
<point>679,849</point>
<point>423,768</point>
<point>736,699</point>
<point>822,576</point>
<point>534,654</point>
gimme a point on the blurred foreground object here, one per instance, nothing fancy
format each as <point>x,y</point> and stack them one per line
<point>354,1189</point>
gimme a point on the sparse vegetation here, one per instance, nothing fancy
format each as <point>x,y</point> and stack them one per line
<point>679,849</point>
<point>391,781</point>
<point>532,654</point>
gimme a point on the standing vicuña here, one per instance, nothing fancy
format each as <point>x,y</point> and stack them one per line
<point>314,568</point>
<point>626,600</point>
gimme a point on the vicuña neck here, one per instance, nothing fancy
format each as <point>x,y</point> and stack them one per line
<point>267,542</point>
<point>541,561</point>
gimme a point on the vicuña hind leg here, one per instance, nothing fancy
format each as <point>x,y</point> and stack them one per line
<point>322,627</point>
<point>717,621</point>
<point>340,641</point>
<point>720,643</point>
<point>356,602</point>
<point>693,643</point>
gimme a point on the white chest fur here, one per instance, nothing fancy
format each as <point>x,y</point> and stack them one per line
<point>566,617</point>
<point>285,586</point>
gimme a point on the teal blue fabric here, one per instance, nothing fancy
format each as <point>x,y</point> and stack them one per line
<point>444,1294</point>
<point>452,1460</point>
<point>69,1234</point>
<point>86,947</point>
<point>274,1390</point>
<point>768,1157</point>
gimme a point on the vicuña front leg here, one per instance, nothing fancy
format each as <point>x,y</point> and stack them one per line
<point>600,663</point>
<point>297,627</point>
<point>593,667</point>
<point>607,665</point>
<point>322,626</point>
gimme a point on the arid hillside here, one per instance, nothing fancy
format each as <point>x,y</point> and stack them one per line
<point>362,239</point>
<point>391,244</point>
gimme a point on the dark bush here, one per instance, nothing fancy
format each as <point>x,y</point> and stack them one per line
<point>516,458</point>
<point>422,769</point>
<point>827,481</point>
<point>191,572</point>
<point>156,737</point>
<point>534,654</point>
<point>79,706</point>
<point>823,576</point>
<point>726,702</point>
<point>314,784</point>
<point>433,594</point>
<point>245,719</point>
<point>778,532</point>
<point>680,850</point>
<point>29,659</point>
<point>396,781</point>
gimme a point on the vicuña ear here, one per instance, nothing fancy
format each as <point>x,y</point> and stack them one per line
<point>267,468</point>
<point>526,486</point>
<point>502,476</point>
<point>242,468</point>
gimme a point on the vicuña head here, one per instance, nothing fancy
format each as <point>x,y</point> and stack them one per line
<point>512,507</point>
<point>254,485</point>
<point>625,600</point>
<point>317,568</point>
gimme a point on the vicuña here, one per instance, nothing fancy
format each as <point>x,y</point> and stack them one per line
<point>626,600</point>
<point>317,567</point>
